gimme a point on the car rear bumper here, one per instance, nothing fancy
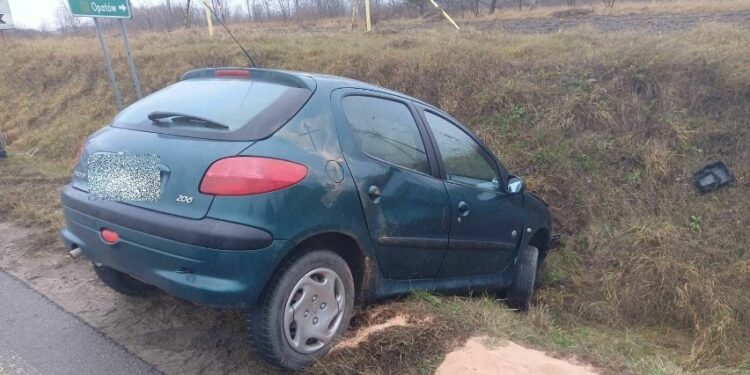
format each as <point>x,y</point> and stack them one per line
<point>215,277</point>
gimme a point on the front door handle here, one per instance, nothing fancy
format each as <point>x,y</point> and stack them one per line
<point>463,208</point>
<point>374,193</point>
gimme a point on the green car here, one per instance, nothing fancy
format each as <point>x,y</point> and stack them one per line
<point>294,196</point>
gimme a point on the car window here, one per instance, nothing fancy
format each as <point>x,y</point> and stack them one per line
<point>385,129</point>
<point>235,103</point>
<point>461,155</point>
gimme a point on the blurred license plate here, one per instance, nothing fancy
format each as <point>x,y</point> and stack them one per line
<point>124,177</point>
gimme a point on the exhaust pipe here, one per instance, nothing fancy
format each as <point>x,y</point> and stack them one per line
<point>75,253</point>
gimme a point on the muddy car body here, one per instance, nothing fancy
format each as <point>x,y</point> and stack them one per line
<point>321,190</point>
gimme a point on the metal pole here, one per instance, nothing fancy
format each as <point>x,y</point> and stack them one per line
<point>111,72</point>
<point>133,72</point>
<point>445,14</point>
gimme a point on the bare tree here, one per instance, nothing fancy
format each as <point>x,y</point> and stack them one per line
<point>493,5</point>
<point>249,8</point>
<point>609,3</point>
<point>64,18</point>
<point>285,8</point>
<point>221,9</point>
<point>187,14</point>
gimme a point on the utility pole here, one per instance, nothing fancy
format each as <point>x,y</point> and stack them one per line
<point>367,15</point>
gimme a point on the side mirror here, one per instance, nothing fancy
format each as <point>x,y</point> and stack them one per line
<point>516,185</point>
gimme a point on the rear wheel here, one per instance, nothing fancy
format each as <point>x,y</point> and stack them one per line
<point>520,292</point>
<point>307,307</point>
<point>123,283</point>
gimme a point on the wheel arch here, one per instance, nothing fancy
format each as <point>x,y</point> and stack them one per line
<point>349,248</point>
<point>540,239</point>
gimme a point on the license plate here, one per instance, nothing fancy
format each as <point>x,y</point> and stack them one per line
<point>124,177</point>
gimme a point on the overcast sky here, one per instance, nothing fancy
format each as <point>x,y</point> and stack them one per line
<point>33,13</point>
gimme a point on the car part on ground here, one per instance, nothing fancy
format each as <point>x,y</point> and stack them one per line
<point>555,241</point>
<point>712,177</point>
<point>3,153</point>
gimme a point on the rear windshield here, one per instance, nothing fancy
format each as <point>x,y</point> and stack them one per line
<point>249,109</point>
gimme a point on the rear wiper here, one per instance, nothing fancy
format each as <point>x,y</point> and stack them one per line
<point>184,118</point>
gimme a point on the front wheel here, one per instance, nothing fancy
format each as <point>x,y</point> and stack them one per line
<point>519,293</point>
<point>307,306</point>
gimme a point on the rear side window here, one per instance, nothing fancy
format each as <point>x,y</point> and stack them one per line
<point>461,155</point>
<point>249,109</point>
<point>386,130</point>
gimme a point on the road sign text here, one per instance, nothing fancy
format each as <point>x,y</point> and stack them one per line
<point>100,8</point>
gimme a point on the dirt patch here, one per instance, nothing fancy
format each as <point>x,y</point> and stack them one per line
<point>476,358</point>
<point>613,23</point>
<point>365,332</point>
<point>574,12</point>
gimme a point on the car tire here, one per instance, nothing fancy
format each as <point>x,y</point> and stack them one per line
<point>315,282</point>
<point>123,283</point>
<point>524,278</point>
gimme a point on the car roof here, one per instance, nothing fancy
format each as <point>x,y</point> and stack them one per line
<point>344,82</point>
<point>298,79</point>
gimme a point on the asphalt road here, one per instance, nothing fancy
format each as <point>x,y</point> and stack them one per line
<point>39,337</point>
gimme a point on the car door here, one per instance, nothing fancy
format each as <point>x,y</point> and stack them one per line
<point>406,204</point>
<point>485,221</point>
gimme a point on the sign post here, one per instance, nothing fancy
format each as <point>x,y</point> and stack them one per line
<point>117,9</point>
<point>133,72</point>
<point>6,19</point>
<point>108,61</point>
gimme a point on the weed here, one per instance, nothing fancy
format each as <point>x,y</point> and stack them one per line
<point>695,223</point>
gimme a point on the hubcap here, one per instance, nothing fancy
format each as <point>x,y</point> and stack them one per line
<point>314,310</point>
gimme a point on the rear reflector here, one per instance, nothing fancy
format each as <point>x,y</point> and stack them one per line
<point>236,73</point>
<point>109,236</point>
<point>248,175</point>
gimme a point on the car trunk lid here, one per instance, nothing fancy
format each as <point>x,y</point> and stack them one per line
<point>182,162</point>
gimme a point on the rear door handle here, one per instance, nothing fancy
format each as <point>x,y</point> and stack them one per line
<point>463,208</point>
<point>374,193</point>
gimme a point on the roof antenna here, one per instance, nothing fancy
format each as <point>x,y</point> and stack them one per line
<point>252,62</point>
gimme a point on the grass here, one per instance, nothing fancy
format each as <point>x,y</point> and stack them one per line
<point>626,8</point>
<point>652,277</point>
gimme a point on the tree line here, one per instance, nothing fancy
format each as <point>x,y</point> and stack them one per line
<point>171,14</point>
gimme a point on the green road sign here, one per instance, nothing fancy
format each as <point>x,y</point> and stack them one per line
<point>6,19</point>
<point>100,8</point>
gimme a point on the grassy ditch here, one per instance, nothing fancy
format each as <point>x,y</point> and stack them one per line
<point>608,128</point>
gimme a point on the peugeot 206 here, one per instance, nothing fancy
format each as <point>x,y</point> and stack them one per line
<point>293,196</point>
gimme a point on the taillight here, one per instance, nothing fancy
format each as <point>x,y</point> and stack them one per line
<point>235,73</point>
<point>247,175</point>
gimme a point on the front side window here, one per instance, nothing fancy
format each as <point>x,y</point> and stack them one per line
<point>462,156</point>
<point>386,130</point>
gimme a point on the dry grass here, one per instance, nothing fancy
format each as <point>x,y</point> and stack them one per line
<point>628,7</point>
<point>608,128</point>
